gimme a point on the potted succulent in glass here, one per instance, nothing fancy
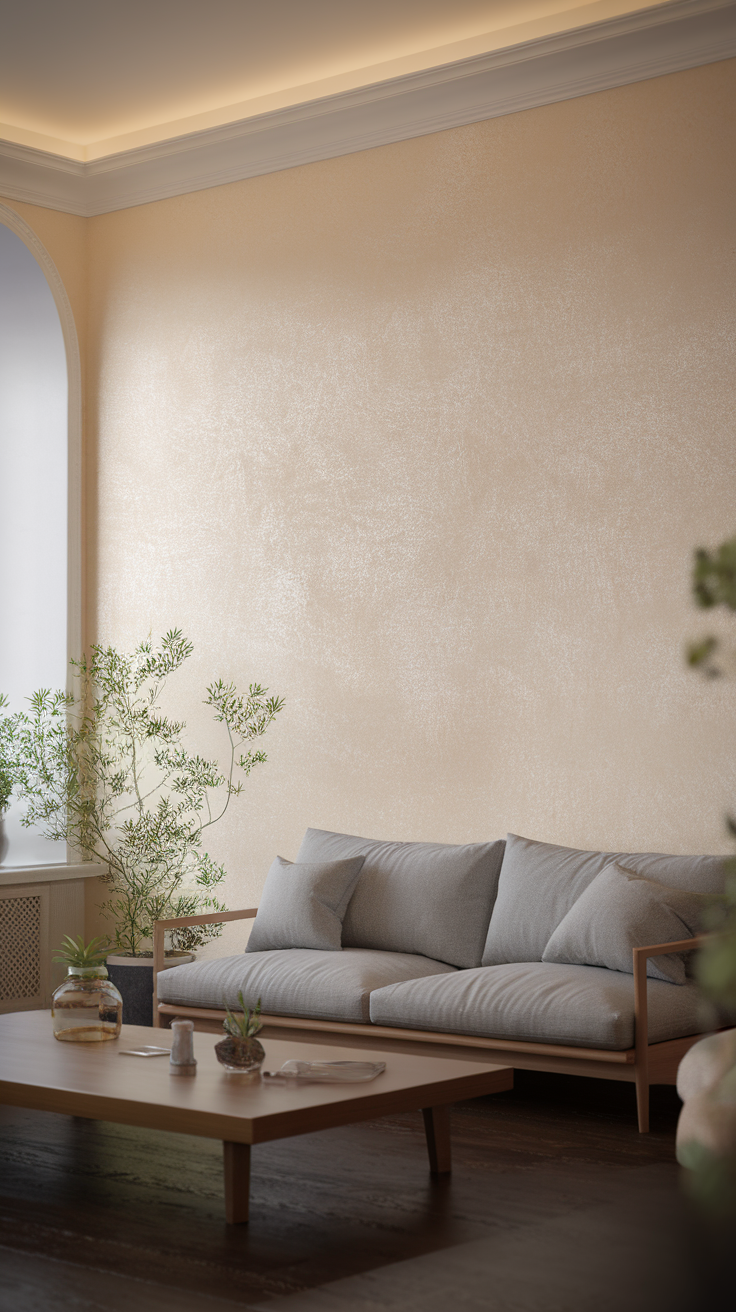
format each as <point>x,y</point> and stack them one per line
<point>86,1008</point>
<point>240,1052</point>
<point>104,769</point>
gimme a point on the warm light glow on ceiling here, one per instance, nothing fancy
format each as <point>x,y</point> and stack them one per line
<point>92,77</point>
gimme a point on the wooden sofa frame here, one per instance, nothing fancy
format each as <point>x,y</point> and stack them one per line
<point>644,1064</point>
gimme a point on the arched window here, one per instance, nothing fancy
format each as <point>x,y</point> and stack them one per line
<point>40,620</point>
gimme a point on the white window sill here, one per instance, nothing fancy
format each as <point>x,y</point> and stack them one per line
<point>49,874</point>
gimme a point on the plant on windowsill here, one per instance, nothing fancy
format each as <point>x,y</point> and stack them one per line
<point>6,791</point>
<point>106,771</point>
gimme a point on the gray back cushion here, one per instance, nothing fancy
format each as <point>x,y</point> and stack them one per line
<point>432,899</point>
<point>540,882</point>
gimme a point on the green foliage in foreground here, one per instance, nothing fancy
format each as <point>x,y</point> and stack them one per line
<point>710,1180</point>
<point>714,584</point>
<point>714,576</point>
<point>104,770</point>
<point>715,964</point>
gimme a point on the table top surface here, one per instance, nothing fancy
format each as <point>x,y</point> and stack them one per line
<point>94,1080</point>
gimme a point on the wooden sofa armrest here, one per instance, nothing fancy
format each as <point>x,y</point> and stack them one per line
<point>641,1017</point>
<point>181,922</point>
<point>641,956</point>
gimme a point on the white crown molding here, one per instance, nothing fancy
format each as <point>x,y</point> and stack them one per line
<point>597,57</point>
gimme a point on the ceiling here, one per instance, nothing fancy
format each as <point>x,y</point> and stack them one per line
<point>88,78</point>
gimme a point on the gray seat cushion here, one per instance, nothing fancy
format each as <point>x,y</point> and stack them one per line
<point>434,899</point>
<point>540,882</point>
<point>584,1006</point>
<point>295,982</point>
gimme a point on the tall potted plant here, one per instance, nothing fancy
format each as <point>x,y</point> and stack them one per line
<point>104,769</point>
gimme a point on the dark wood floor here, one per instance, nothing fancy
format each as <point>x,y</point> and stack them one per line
<point>556,1203</point>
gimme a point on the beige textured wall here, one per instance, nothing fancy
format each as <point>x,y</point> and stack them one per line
<point>423,438</point>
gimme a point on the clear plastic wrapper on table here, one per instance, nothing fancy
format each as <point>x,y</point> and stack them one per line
<point>326,1072</point>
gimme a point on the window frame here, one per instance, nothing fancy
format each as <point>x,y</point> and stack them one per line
<point>75,596</point>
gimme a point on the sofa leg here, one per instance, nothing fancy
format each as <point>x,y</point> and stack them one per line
<point>642,1099</point>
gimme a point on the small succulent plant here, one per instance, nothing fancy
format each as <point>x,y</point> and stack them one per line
<point>85,956</point>
<point>245,1026</point>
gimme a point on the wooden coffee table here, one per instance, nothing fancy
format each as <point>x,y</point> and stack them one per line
<point>93,1080</point>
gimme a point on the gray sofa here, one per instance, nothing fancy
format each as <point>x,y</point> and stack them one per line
<point>535,955</point>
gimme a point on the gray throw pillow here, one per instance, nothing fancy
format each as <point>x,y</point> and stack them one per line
<point>303,905</point>
<point>541,882</point>
<point>620,911</point>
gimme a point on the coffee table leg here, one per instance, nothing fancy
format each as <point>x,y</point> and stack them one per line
<point>437,1130</point>
<point>237,1182</point>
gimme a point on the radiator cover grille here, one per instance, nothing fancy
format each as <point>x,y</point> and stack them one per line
<point>20,947</point>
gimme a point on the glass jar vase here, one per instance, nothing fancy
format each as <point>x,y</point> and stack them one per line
<point>240,1056</point>
<point>87,1007</point>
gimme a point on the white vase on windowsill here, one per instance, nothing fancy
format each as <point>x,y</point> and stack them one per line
<point>4,840</point>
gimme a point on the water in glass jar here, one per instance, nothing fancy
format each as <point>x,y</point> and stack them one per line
<point>86,1011</point>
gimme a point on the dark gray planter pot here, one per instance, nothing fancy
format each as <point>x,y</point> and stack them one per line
<point>133,978</point>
